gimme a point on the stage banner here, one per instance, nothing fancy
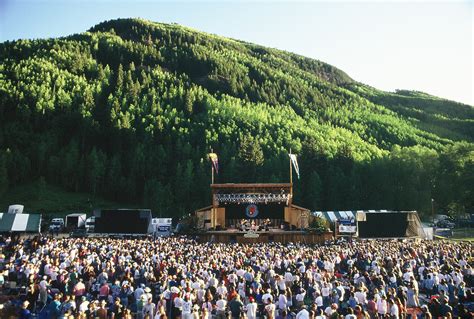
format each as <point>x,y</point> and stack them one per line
<point>347,229</point>
<point>215,161</point>
<point>295,164</point>
<point>251,211</point>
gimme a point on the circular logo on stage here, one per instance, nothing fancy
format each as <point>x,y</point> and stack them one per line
<point>251,211</point>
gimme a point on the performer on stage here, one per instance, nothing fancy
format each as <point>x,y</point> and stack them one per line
<point>254,227</point>
<point>268,223</point>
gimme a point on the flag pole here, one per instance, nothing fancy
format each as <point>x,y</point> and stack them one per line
<point>212,169</point>
<point>212,174</point>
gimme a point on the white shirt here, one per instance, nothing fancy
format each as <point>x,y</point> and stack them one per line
<point>187,306</point>
<point>361,297</point>
<point>221,304</point>
<point>84,306</point>
<point>300,297</point>
<point>394,311</point>
<point>303,314</point>
<point>282,302</point>
<point>251,310</point>
<point>282,284</point>
<point>319,301</point>
<point>178,302</point>
<point>267,297</point>
<point>328,311</point>
<point>222,290</point>
<point>325,291</point>
<point>382,306</point>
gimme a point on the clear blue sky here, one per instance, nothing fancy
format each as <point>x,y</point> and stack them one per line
<point>419,45</point>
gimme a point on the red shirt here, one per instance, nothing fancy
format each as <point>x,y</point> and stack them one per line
<point>104,290</point>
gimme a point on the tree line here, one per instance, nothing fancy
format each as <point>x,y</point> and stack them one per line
<point>129,110</point>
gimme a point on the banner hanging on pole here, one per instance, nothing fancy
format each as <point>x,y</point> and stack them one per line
<point>214,161</point>
<point>295,164</point>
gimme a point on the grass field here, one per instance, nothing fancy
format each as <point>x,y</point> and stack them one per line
<point>54,201</point>
<point>465,234</point>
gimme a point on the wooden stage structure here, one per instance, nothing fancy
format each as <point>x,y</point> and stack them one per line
<point>252,213</point>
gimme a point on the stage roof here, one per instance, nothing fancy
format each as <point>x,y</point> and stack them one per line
<point>250,185</point>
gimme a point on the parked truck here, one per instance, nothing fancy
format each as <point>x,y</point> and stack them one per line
<point>75,221</point>
<point>160,227</point>
<point>90,224</point>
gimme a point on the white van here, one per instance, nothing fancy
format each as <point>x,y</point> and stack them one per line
<point>57,224</point>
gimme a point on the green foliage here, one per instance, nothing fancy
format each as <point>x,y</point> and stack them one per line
<point>3,175</point>
<point>54,200</point>
<point>319,224</point>
<point>129,110</point>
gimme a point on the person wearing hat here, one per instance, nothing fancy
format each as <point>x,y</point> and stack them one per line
<point>148,293</point>
<point>251,308</point>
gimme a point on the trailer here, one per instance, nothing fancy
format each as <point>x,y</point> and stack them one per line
<point>76,220</point>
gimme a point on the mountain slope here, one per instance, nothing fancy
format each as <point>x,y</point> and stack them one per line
<point>130,108</point>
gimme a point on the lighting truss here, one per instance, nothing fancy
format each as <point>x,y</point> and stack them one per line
<point>236,198</point>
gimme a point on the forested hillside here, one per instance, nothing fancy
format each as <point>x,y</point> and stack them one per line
<point>129,110</point>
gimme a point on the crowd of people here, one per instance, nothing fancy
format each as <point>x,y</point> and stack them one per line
<point>177,277</point>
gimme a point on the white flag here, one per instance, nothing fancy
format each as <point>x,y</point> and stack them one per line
<point>295,164</point>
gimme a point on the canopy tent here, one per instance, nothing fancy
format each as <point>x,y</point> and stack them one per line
<point>332,216</point>
<point>20,223</point>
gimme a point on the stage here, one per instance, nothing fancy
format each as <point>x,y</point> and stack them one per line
<point>272,235</point>
<point>255,213</point>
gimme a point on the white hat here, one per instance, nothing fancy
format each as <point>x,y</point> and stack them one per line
<point>174,289</point>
